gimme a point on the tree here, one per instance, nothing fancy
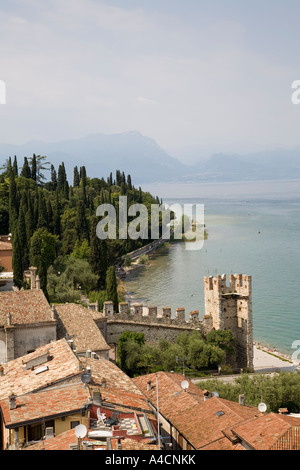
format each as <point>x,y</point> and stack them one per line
<point>42,211</point>
<point>81,250</point>
<point>68,278</point>
<point>111,287</point>
<point>38,165</point>
<point>15,166</point>
<point>61,178</point>
<point>17,259</point>
<point>81,222</point>
<point>98,256</point>
<point>122,349</point>
<point>224,339</point>
<point>33,167</point>
<point>83,183</point>
<point>43,253</point>
<point>26,172</point>
<point>53,178</point>
<point>76,179</point>
<point>13,202</point>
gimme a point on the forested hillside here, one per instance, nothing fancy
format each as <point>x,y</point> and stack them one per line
<point>53,225</point>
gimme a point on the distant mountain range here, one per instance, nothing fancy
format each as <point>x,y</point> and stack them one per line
<point>147,162</point>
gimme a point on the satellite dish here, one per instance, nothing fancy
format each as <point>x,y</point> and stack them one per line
<point>86,377</point>
<point>262,407</point>
<point>215,394</point>
<point>80,431</point>
<point>184,384</point>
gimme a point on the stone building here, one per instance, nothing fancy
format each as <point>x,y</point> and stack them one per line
<point>26,323</point>
<point>229,307</point>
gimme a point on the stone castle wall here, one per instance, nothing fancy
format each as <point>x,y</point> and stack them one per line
<point>227,307</point>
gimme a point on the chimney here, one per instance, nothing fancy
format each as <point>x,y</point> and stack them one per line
<point>88,353</point>
<point>206,395</point>
<point>33,270</point>
<point>242,400</point>
<point>53,312</point>
<point>8,319</point>
<point>38,282</point>
<point>149,386</point>
<point>103,383</point>
<point>12,401</point>
<point>119,445</point>
<point>1,370</point>
<point>97,398</point>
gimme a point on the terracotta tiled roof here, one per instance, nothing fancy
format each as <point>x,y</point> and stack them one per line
<point>200,422</point>
<point>79,324</point>
<point>5,246</point>
<point>124,401</point>
<point>60,442</point>
<point>263,432</point>
<point>44,404</point>
<point>63,441</point>
<point>20,380</point>
<point>130,444</point>
<point>115,378</point>
<point>26,307</point>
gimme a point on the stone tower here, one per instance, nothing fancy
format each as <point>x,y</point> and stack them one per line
<point>230,308</point>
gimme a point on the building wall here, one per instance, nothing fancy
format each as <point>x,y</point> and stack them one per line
<point>6,260</point>
<point>21,340</point>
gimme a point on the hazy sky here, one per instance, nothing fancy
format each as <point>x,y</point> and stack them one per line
<point>198,76</point>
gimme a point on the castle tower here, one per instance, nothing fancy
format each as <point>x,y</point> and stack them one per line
<point>230,308</point>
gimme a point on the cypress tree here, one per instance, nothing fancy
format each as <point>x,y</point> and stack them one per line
<point>26,172</point>
<point>83,183</point>
<point>53,178</point>
<point>17,259</point>
<point>129,183</point>
<point>98,256</point>
<point>29,218</point>
<point>33,167</point>
<point>15,166</point>
<point>61,178</point>
<point>76,179</point>
<point>111,287</point>
<point>82,228</point>
<point>13,202</point>
<point>56,216</point>
<point>42,212</point>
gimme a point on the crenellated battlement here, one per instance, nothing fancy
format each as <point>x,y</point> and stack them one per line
<point>151,314</point>
<point>239,284</point>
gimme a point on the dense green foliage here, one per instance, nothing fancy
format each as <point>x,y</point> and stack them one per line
<point>53,225</point>
<point>190,352</point>
<point>279,391</point>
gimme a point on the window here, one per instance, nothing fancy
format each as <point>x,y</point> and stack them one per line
<point>74,424</point>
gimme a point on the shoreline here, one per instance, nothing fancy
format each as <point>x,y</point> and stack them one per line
<point>264,357</point>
